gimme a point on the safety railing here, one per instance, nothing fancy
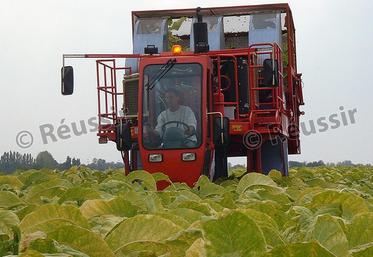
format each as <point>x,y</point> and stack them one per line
<point>107,93</point>
<point>267,101</point>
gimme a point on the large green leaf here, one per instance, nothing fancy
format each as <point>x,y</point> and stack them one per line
<point>9,232</point>
<point>79,194</point>
<point>360,230</point>
<point>104,224</point>
<point>141,248</point>
<point>349,204</point>
<point>267,225</point>
<point>9,200</point>
<point>188,214</point>
<point>254,179</point>
<point>328,232</point>
<point>271,208</point>
<point>141,228</point>
<point>310,249</point>
<point>33,177</point>
<point>174,218</point>
<point>117,206</point>
<point>82,240</point>
<point>13,181</point>
<point>142,178</point>
<point>205,188</point>
<point>233,235</point>
<point>182,241</point>
<point>22,212</point>
<point>197,249</point>
<point>8,220</point>
<point>49,217</point>
<point>47,189</point>
<point>204,208</point>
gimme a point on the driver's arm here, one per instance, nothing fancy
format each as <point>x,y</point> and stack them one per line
<point>191,121</point>
<point>160,121</point>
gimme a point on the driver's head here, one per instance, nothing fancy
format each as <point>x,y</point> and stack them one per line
<point>172,97</point>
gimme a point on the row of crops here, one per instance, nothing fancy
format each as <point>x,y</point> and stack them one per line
<point>80,212</point>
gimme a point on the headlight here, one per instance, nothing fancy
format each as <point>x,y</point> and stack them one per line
<point>155,157</point>
<point>188,157</point>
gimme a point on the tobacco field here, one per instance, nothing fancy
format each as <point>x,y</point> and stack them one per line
<point>324,211</point>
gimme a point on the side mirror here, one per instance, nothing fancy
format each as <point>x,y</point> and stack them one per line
<point>221,131</point>
<point>270,73</point>
<point>67,80</point>
<point>123,137</point>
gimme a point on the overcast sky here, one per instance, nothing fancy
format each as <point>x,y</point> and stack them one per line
<point>334,42</point>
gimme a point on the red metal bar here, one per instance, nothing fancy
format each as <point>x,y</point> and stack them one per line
<point>114,85</point>
<point>115,91</point>
<point>98,96</point>
<point>219,75</point>
<point>106,93</point>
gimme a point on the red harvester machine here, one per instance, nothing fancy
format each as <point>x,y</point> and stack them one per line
<point>201,85</point>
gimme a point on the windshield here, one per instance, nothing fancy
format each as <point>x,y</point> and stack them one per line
<point>172,106</point>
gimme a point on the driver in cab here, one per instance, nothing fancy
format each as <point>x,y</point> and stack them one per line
<point>176,118</point>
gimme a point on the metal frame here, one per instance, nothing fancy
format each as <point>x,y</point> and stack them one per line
<point>274,120</point>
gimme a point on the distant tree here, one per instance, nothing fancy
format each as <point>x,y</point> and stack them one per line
<point>46,160</point>
<point>293,164</point>
<point>75,162</point>
<point>100,164</point>
<point>66,165</point>
<point>345,163</point>
<point>11,161</point>
<point>315,164</point>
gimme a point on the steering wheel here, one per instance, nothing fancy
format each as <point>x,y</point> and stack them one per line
<point>186,126</point>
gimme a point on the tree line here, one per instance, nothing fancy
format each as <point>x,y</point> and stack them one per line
<point>322,163</point>
<point>12,161</point>
<point>293,164</point>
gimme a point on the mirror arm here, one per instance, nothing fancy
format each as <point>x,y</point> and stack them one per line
<point>221,123</point>
<point>70,56</point>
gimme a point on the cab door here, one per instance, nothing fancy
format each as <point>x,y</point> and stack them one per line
<point>172,116</point>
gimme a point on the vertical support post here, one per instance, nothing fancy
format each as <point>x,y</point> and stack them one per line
<point>236,86</point>
<point>126,161</point>
<point>134,159</point>
<point>254,160</point>
<point>105,90</point>
<point>249,161</point>
<point>219,75</point>
<point>114,90</point>
<point>258,157</point>
<point>98,96</point>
